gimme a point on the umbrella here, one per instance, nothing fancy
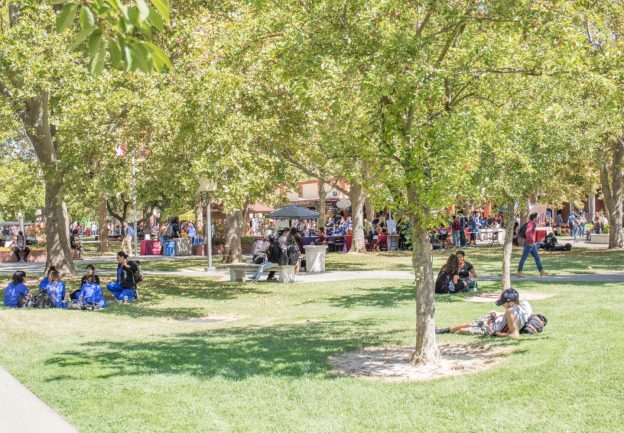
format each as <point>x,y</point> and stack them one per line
<point>293,213</point>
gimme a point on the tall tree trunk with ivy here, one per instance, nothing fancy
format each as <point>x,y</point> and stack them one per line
<point>35,119</point>
<point>612,182</point>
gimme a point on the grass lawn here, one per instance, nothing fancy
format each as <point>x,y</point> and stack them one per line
<point>143,368</point>
<point>487,261</point>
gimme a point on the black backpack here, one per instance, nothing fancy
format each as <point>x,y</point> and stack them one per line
<point>535,324</point>
<point>274,253</point>
<point>522,230</point>
<point>283,258</point>
<point>137,271</point>
<point>42,300</point>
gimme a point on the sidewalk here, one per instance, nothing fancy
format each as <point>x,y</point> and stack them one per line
<point>22,412</point>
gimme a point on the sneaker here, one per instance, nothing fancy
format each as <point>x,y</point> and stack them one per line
<point>519,275</point>
<point>443,330</point>
<point>543,274</point>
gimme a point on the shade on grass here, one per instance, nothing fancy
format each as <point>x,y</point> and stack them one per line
<point>143,368</point>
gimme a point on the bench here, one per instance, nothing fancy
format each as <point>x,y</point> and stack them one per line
<point>602,238</point>
<point>286,273</point>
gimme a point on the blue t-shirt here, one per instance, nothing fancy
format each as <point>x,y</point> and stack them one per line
<point>43,283</point>
<point>56,292</point>
<point>119,270</point>
<point>13,292</point>
<point>91,293</point>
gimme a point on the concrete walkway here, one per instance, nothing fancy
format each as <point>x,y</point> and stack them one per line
<point>22,412</point>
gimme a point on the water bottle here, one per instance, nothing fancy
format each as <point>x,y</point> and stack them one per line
<point>125,299</point>
<point>474,286</point>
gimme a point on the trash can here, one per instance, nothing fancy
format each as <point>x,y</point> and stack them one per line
<point>315,258</point>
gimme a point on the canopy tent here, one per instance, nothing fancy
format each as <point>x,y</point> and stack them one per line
<point>188,216</point>
<point>293,213</point>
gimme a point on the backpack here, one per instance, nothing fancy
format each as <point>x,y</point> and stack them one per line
<point>42,300</point>
<point>522,230</point>
<point>274,253</point>
<point>535,324</point>
<point>137,271</point>
<point>292,254</point>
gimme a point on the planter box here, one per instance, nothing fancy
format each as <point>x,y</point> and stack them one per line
<point>37,256</point>
<point>602,238</point>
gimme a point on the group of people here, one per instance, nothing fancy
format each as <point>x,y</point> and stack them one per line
<point>52,288</point>
<point>457,275</point>
<point>273,251</point>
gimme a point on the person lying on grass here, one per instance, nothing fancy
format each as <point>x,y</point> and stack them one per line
<point>494,324</point>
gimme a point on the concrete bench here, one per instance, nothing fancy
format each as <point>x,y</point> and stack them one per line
<point>285,274</point>
<point>602,238</point>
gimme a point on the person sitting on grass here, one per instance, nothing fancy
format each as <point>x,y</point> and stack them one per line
<point>45,280</point>
<point>448,279</point>
<point>124,289</point>
<point>494,324</point>
<point>90,293</point>
<point>467,272</point>
<point>90,272</point>
<point>56,289</point>
<point>16,294</point>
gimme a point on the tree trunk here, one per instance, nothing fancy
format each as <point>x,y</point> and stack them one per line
<point>356,193</point>
<point>199,215</point>
<point>103,247</point>
<point>37,126</point>
<point>508,244</point>
<point>611,179</point>
<point>322,220</point>
<point>370,210</point>
<point>233,252</point>
<point>427,351</point>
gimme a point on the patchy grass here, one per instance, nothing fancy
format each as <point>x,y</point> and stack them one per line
<point>142,367</point>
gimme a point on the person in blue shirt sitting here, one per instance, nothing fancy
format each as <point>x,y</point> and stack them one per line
<point>90,294</point>
<point>56,290</point>
<point>44,282</point>
<point>90,272</point>
<point>124,289</point>
<point>16,294</point>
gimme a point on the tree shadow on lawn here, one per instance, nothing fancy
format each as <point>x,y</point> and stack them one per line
<point>389,296</point>
<point>158,288</point>
<point>233,353</point>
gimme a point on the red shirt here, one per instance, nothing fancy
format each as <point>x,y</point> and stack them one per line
<point>530,233</point>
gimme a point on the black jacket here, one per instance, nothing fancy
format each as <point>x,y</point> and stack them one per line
<point>127,277</point>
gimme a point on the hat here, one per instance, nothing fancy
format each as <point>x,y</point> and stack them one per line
<point>509,295</point>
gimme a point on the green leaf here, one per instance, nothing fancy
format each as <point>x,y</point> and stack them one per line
<point>65,18</point>
<point>84,34</point>
<point>115,53</point>
<point>163,8</point>
<point>144,10</point>
<point>87,19</point>
<point>159,58</point>
<point>128,59</point>
<point>95,43</point>
<point>140,58</point>
<point>156,20</point>
<point>96,65</point>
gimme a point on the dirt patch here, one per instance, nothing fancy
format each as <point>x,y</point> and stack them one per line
<point>392,364</point>
<point>211,319</point>
<point>493,296</point>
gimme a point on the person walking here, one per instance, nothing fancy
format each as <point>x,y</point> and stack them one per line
<point>126,243</point>
<point>530,247</point>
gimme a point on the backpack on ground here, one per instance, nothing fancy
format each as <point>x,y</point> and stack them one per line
<point>535,324</point>
<point>137,271</point>
<point>522,230</point>
<point>42,300</point>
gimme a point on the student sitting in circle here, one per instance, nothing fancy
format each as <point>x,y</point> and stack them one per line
<point>508,324</point>
<point>90,272</point>
<point>45,280</point>
<point>467,272</point>
<point>16,294</point>
<point>448,279</point>
<point>56,290</point>
<point>124,289</point>
<point>90,293</point>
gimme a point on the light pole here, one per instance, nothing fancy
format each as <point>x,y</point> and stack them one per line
<point>208,187</point>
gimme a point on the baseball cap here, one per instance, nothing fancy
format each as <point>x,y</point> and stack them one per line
<point>509,295</point>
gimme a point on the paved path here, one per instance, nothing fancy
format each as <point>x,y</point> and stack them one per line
<point>22,412</point>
